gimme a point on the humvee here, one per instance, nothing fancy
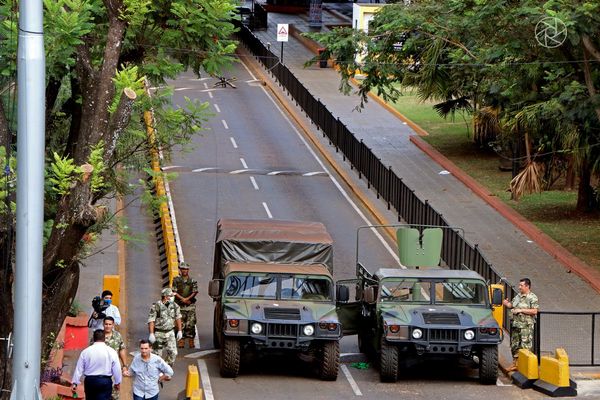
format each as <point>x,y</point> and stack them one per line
<point>274,291</point>
<point>403,314</point>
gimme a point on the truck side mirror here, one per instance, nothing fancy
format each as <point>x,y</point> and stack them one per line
<point>369,295</point>
<point>497,297</point>
<point>343,293</point>
<point>214,288</point>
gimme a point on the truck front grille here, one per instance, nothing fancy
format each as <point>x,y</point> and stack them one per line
<point>282,330</point>
<point>291,314</point>
<point>443,335</point>
<point>441,318</point>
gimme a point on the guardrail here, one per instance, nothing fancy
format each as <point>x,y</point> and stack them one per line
<point>456,251</point>
<point>577,332</point>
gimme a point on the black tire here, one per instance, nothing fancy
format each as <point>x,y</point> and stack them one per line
<point>388,362</point>
<point>488,365</point>
<point>363,343</point>
<point>229,359</point>
<point>216,333</point>
<point>329,361</point>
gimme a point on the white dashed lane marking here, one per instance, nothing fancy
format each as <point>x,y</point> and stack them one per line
<point>351,380</point>
<point>267,210</point>
<point>254,183</point>
<point>244,163</point>
<point>210,95</point>
<point>225,124</point>
<point>233,142</point>
<point>217,108</point>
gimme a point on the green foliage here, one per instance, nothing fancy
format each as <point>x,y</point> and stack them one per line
<point>97,161</point>
<point>62,173</point>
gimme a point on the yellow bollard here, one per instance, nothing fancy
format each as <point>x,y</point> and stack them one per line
<point>527,369</point>
<point>192,381</point>
<point>554,376</point>
<point>196,394</point>
<point>113,283</point>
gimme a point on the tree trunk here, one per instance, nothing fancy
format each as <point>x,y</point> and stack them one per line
<point>570,174</point>
<point>586,198</point>
<point>5,136</point>
<point>6,312</point>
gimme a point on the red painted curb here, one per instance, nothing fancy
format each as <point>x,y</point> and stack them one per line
<point>552,247</point>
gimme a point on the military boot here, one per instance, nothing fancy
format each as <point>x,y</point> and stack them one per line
<point>191,343</point>
<point>180,343</point>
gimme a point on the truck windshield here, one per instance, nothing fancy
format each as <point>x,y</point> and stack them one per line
<point>406,291</point>
<point>251,286</point>
<point>305,288</point>
<point>460,291</point>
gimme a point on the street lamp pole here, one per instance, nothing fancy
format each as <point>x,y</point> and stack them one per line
<point>31,83</point>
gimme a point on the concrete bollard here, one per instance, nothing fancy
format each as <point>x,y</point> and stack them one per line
<point>527,369</point>
<point>554,378</point>
<point>192,381</point>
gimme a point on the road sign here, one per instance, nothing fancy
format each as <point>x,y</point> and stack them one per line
<point>283,32</point>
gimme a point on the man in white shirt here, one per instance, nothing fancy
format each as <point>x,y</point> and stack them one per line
<point>147,370</point>
<point>100,366</point>
<point>97,318</point>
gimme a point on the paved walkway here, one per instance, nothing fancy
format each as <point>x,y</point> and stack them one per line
<point>511,252</point>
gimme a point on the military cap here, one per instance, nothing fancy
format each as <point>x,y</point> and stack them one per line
<point>184,265</point>
<point>167,292</point>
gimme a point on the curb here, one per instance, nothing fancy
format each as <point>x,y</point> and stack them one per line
<point>568,260</point>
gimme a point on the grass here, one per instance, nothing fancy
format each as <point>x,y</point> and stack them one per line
<point>551,211</point>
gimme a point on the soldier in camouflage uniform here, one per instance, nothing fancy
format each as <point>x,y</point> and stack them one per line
<point>114,340</point>
<point>524,307</point>
<point>186,289</point>
<point>164,316</point>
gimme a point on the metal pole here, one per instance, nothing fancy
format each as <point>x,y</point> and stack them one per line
<point>30,201</point>
<point>281,58</point>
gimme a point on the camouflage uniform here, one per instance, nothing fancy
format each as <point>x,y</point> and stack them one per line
<point>186,287</point>
<point>164,317</point>
<point>116,343</point>
<point>522,326</point>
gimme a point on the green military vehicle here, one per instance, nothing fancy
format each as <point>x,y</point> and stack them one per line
<point>274,291</point>
<point>421,310</point>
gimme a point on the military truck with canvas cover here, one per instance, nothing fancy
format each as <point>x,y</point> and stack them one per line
<point>274,291</point>
<point>421,310</point>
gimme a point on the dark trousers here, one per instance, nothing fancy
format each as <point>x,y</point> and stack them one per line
<point>98,387</point>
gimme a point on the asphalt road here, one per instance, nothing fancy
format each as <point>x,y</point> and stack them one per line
<point>252,162</point>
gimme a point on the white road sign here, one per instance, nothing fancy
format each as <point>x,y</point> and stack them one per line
<point>283,32</point>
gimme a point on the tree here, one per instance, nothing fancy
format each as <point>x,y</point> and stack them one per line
<point>483,58</point>
<point>98,54</point>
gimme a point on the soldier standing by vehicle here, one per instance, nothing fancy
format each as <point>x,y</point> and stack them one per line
<point>163,317</point>
<point>524,307</point>
<point>186,289</point>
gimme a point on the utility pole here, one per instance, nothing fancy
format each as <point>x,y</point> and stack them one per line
<point>31,84</point>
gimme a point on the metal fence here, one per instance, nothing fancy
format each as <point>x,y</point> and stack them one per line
<point>577,332</point>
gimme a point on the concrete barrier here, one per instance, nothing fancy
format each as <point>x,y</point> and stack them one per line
<point>197,394</point>
<point>527,370</point>
<point>554,378</point>
<point>192,382</point>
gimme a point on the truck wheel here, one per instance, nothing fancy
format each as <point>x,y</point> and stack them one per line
<point>229,359</point>
<point>488,365</point>
<point>388,362</point>
<point>329,362</point>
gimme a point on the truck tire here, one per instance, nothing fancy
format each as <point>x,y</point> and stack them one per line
<point>329,361</point>
<point>488,365</point>
<point>229,359</point>
<point>388,362</point>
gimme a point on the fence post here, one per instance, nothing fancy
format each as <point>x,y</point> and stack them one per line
<point>593,341</point>
<point>538,340</point>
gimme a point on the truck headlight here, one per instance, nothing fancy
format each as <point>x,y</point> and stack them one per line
<point>469,334</point>
<point>308,330</point>
<point>256,328</point>
<point>417,333</point>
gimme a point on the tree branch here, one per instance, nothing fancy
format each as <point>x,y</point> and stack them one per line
<point>589,46</point>
<point>118,123</point>
<point>5,137</point>
<point>457,44</point>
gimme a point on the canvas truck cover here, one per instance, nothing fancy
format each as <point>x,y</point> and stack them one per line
<point>271,241</point>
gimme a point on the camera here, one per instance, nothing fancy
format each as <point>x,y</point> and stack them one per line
<point>99,306</point>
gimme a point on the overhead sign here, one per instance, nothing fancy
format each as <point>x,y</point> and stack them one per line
<point>283,32</point>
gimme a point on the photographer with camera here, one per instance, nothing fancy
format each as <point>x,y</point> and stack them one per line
<point>102,308</point>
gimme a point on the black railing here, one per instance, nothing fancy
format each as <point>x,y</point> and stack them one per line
<point>576,332</point>
<point>456,251</point>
